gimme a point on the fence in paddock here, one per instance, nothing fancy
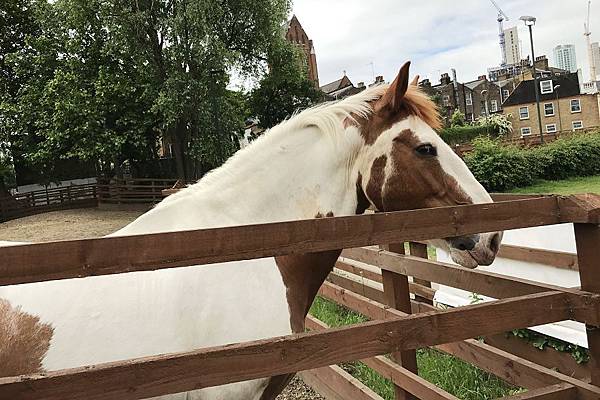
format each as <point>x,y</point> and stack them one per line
<point>40,201</point>
<point>132,190</point>
<point>399,324</point>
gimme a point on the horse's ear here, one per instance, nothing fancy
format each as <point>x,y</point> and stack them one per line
<point>415,81</point>
<point>393,96</point>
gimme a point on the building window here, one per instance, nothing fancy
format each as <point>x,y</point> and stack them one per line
<point>469,99</point>
<point>525,131</point>
<point>551,128</point>
<point>505,94</point>
<point>494,106</point>
<point>575,106</point>
<point>524,113</point>
<point>546,87</point>
<point>548,109</point>
<point>577,125</point>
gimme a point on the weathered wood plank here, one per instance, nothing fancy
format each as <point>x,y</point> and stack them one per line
<point>557,259</point>
<point>334,383</point>
<point>409,381</point>
<point>80,258</point>
<point>173,373</point>
<point>560,391</point>
<point>396,295</point>
<point>587,239</point>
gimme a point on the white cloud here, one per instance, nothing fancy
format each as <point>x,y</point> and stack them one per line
<point>436,35</point>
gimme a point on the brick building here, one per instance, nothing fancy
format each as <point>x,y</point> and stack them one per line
<point>296,34</point>
<point>562,105</point>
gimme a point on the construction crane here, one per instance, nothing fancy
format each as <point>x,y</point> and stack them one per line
<point>587,34</point>
<point>501,18</point>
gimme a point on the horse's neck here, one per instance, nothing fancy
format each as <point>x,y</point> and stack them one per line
<point>290,176</point>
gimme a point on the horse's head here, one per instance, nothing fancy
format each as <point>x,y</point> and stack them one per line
<point>405,165</point>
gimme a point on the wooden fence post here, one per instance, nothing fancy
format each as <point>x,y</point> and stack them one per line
<point>587,237</point>
<point>420,250</point>
<point>397,295</point>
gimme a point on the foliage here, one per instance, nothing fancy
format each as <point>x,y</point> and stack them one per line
<point>285,89</point>
<point>539,341</point>
<point>457,119</point>
<point>465,134</point>
<point>499,123</point>
<point>500,167</point>
<point>103,80</point>
<point>7,174</point>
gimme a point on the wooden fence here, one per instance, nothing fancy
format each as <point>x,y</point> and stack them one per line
<point>400,324</point>
<point>132,191</point>
<point>40,201</point>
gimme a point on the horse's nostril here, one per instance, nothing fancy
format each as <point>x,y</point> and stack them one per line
<point>495,242</point>
<point>464,242</point>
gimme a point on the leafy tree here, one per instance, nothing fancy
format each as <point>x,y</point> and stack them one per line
<point>457,119</point>
<point>104,79</point>
<point>285,89</point>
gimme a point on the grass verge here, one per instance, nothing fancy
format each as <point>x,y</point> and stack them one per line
<point>586,184</point>
<point>451,374</point>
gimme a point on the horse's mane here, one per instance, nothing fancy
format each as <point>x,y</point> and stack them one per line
<point>326,118</point>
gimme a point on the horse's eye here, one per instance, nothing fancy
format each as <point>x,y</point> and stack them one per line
<point>426,150</point>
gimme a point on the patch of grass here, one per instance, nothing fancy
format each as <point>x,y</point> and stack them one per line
<point>453,375</point>
<point>587,184</point>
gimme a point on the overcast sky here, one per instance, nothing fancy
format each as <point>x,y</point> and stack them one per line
<point>435,35</point>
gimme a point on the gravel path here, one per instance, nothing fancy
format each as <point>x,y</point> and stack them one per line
<point>89,223</point>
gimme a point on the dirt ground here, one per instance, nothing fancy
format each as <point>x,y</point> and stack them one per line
<point>92,222</point>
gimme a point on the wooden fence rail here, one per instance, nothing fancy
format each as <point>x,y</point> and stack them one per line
<point>40,201</point>
<point>399,327</point>
<point>133,191</point>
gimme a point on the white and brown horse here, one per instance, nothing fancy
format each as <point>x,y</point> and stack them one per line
<point>377,148</point>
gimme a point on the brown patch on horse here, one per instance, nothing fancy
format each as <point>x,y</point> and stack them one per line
<point>400,101</point>
<point>24,341</point>
<point>428,185</point>
<point>374,190</point>
<point>302,276</point>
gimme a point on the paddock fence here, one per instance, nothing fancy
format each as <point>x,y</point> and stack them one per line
<point>41,201</point>
<point>402,315</point>
<point>132,190</point>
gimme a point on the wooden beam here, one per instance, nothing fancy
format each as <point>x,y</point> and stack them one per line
<point>560,391</point>
<point>174,373</point>
<point>557,259</point>
<point>587,239</point>
<point>511,368</point>
<point>334,383</point>
<point>396,295</point>
<point>89,257</point>
<point>420,250</point>
<point>408,380</point>
<point>549,357</point>
<point>374,276</point>
<point>482,282</point>
<point>580,208</point>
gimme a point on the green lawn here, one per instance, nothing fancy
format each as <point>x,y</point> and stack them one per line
<point>451,374</point>
<point>587,184</point>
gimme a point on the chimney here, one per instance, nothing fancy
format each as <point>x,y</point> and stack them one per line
<point>379,79</point>
<point>482,78</point>
<point>360,85</point>
<point>425,83</point>
<point>445,79</point>
<point>541,62</point>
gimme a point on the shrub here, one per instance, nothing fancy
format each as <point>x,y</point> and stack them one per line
<point>498,167</point>
<point>499,123</point>
<point>457,119</point>
<point>501,167</point>
<point>464,134</point>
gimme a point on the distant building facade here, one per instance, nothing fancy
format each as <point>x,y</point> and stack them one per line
<point>512,46</point>
<point>343,87</point>
<point>565,57</point>
<point>562,105</point>
<point>296,34</point>
<point>596,57</point>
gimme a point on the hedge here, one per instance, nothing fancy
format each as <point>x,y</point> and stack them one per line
<point>464,134</point>
<point>500,167</point>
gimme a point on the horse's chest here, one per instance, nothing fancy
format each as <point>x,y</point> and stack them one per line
<point>112,318</point>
